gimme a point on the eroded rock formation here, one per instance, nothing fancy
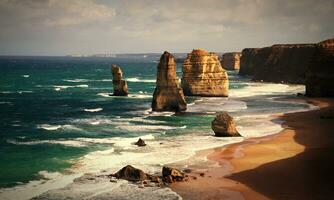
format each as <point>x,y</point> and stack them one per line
<point>224,126</point>
<point>320,74</point>
<point>231,61</point>
<point>168,95</point>
<point>120,85</point>
<point>278,63</point>
<point>203,75</point>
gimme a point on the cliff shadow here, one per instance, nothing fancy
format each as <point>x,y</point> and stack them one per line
<point>308,175</point>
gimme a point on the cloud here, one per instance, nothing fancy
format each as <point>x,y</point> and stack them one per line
<point>124,26</point>
<point>58,12</point>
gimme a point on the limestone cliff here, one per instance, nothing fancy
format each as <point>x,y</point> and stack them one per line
<point>231,61</point>
<point>320,73</point>
<point>120,85</point>
<point>278,63</point>
<point>168,95</point>
<point>203,75</point>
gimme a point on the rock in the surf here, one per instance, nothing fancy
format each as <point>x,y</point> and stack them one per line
<point>224,126</point>
<point>203,75</point>
<point>231,61</point>
<point>120,85</point>
<point>168,95</point>
<point>140,143</point>
<point>131,173</point>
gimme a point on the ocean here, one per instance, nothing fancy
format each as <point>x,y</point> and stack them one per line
<point>58,120</point>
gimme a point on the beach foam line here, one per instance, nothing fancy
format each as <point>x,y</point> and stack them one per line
<point>262,89</point>
<point>71,143</point>
<point>93,109</point>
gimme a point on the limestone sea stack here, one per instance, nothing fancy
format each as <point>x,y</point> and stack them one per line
<point>120,85</point>
<point>231,61</point>
<point>203,75</point>
<point>278,63</point>
<point>320,73</point>
<point>168,95</point>
<point>224,126</point>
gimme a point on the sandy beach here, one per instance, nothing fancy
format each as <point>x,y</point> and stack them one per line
<point>296,163</point>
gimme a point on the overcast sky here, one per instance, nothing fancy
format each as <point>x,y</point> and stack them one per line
<point>62,27</point>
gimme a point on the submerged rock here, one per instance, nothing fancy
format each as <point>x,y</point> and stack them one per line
<point>120,85</point>
<point>224,126</point>
<point>140,143</point>
<point>320,73</point>
<point>131,174</point>
<point>168,95</point>
<point>203,75</point>
<point>231,61</point>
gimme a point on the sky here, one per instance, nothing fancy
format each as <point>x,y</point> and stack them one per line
<point>63,27</point>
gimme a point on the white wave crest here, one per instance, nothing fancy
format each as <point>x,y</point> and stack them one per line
<point>62,87</point>
<point>135,79</point>
<point>93,109</point>
<point>49,127</point>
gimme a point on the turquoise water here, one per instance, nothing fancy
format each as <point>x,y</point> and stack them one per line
<point>48,103</point>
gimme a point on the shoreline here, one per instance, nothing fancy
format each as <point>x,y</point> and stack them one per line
<point>256,167</point>
<point>202,160</point>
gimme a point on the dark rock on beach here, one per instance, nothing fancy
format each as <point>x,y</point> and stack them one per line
<point>120,85</point>
<point>168,95</point>
<point>171,174</point>
<point>224,126</point>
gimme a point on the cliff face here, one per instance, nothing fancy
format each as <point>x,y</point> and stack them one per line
<point>320,74</point>
<point>203,75</point>
<point>278,63</point>
<point>168,95</point>
<point>120,85</point>
<point>231,61</point>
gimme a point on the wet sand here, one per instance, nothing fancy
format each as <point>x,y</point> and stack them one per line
<point>297,163</point>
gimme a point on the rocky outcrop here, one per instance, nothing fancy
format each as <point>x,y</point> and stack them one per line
<point>168,95</point>
<point>120,85</point>
<point>231,61</point>
<point>131,174</point>
<point>171,175</point>
<point>278,63</point>
<point>203,75</point>
<point>320,73</point>
<point>224,126</point>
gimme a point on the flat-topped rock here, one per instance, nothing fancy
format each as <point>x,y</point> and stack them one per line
<point>278,63</point>
<point>120,85</point>
<point>231,61</point>
<point>168,95</point>
<point>203,75</point>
